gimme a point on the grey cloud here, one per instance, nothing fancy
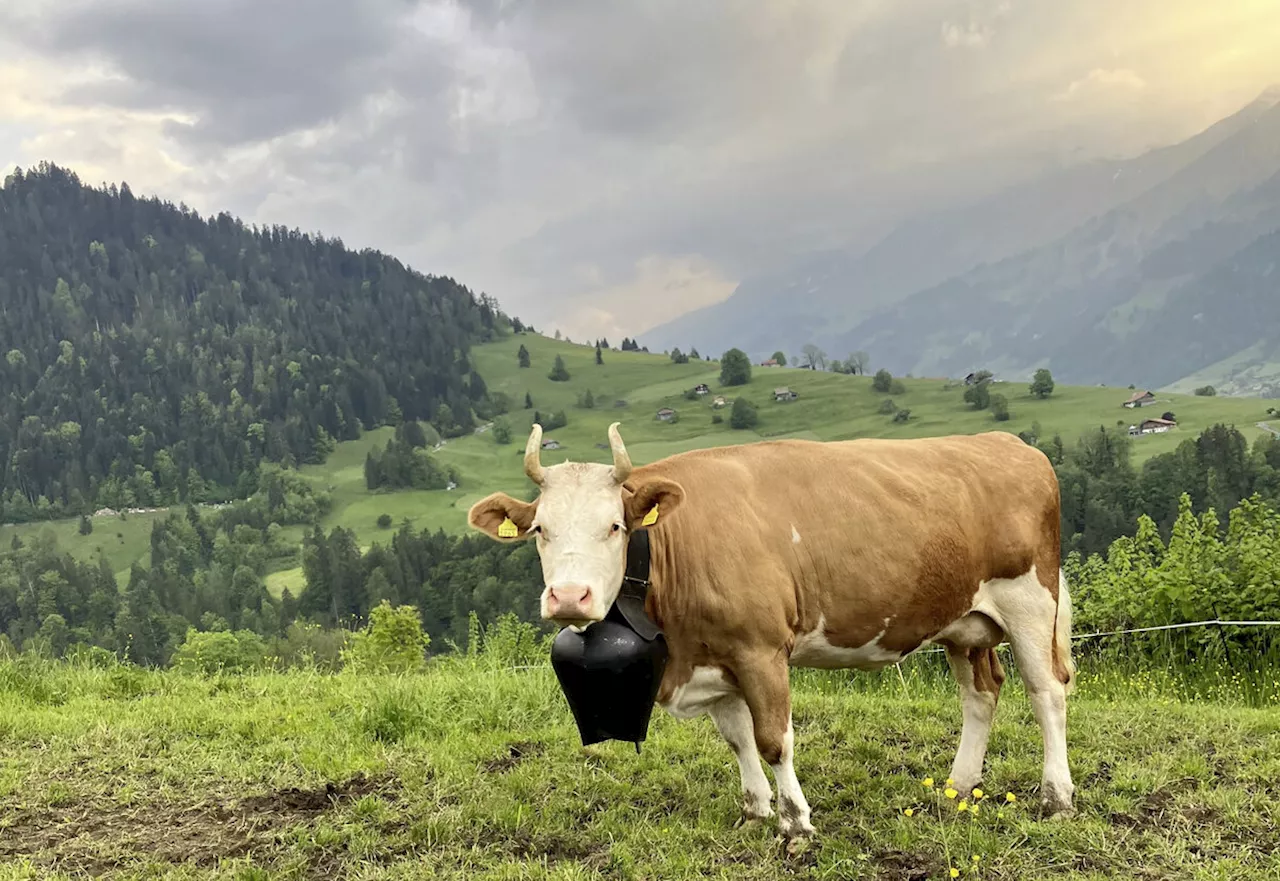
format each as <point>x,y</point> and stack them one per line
<point>602,133</point>
<point>249,70</point>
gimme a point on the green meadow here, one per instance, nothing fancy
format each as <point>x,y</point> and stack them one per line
<point>473,769</point>
<point>630,387</point>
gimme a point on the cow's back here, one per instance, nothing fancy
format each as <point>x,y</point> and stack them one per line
<point>864,538</point>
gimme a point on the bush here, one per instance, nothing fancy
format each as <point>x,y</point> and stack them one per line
<point>219,652</point>
<point>896,387</point>
<point>392,642</point>
<point>502,430</point>
<point>716,418</point>
<point>1206,391</point>
<point>743,415</point>
<point>888,406</point>
<point>883,381</point>
<point>86,525</point>
<point>999,408</point>
<point>902,416</point>
<point>384,521</point>
<point>979,395</point>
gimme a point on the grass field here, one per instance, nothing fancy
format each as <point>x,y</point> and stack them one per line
<point>829,407</point>
<point>472,771</point>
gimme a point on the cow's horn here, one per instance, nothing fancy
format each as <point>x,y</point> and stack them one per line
<point>533,455</point>
<point>621,461</point>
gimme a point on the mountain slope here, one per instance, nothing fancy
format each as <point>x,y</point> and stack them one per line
<point>825,294</point>
<point>155,356</point>
<point>1072,301</point>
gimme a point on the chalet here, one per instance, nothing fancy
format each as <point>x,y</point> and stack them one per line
<point>551,444</point>
<point>666,414</point>
<point>1152,426</point>
<point>772,362</point>
<point>718,402</point>
<point>701,389</point>
<point>784,394</point>
<point>1140,399</point>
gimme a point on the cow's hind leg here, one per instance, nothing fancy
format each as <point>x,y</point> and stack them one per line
<point>979,675</point>
<point>1040,633</point>
<point>733,720</point>
<point>767,690</point>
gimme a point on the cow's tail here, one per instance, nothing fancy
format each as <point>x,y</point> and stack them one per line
<point>1064,665</point>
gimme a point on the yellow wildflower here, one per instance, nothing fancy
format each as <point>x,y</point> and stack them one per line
<point>955,873</point>
<point>927,782</point>
<point>963,806</point>
<point>909,811</point>
<point>950,782</point>
<point>1010,797</point>
<point>974,809</point>
<point>977,858</point>
<point>978,794</point>
<point>949,792</point>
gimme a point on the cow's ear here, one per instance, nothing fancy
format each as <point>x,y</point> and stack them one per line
<point>502,517</point>
<point>652,501</point>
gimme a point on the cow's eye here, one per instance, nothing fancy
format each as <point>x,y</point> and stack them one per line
<point>617,527</point>
<point>537,530</point>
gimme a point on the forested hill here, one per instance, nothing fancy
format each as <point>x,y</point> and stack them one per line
<point>156,356</point>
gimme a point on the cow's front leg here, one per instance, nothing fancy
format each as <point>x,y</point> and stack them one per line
<point>768,695</point>
<point>733,721</point>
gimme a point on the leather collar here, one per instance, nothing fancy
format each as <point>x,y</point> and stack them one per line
<point>635,588</point>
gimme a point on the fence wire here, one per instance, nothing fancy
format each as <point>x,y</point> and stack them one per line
<point>1075,637</point>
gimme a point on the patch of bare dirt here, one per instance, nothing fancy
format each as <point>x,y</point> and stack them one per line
<point>898,865</point>
<point>515,754</point>
<point>95,837</point>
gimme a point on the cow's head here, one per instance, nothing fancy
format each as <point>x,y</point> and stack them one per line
<point>580,522</point>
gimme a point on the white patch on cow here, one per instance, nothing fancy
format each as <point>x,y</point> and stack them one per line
<point>795,535</point>
<point>812,649</point>
<point>705,687</point>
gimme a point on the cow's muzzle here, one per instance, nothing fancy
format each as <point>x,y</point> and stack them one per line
<point>569,604</point>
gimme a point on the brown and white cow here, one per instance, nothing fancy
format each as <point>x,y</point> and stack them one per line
<point>849,554</point>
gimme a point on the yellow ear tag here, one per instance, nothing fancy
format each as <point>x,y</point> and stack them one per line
<point>507,529</point>
<point>650,518</point>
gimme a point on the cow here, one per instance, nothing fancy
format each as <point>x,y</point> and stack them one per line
<point>839,555</point>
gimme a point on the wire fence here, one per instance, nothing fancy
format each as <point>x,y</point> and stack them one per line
<point>1075,637</point>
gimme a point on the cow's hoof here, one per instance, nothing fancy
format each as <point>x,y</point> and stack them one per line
<point>746,820</point>
<point>797,845</point>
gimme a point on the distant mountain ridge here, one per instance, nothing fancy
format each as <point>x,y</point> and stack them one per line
<point>1078,259</point>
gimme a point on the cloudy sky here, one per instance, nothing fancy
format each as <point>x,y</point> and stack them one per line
<point>602,165</point>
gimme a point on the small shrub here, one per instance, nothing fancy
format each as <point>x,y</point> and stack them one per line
<point>1206,391</point>
<point>743,415</point>
<point>902,416</point>
<point>883,381</point>
<point>219,652</point>
<point>86,525</point>
<point>888,406</point>
<point>999,408</point>
<point>716,418</point>
<point>896,387</point>
<point>392,642</point>
<point>384,521</point>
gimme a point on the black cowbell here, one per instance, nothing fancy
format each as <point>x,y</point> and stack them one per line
<point>610,673</point>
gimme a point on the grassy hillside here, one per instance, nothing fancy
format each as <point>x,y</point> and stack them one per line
<point>829,407</point>
<point>477,772</point>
